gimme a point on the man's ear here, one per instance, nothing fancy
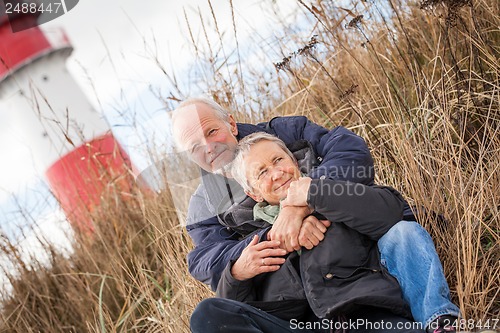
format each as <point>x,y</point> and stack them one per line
<point>234,128</point>
<point>254,196</point>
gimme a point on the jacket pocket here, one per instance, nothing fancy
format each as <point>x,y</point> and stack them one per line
<point>344,274</point>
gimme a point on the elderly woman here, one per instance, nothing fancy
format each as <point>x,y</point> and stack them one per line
<point>338,280</point>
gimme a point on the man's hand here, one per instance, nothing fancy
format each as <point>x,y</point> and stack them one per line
<point>312,231</point>
<point>287,226</point>
<point>258,258</point>
<point>297,192</point>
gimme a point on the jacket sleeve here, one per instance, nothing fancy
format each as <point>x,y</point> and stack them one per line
<point>214,247</point>
<point>214,244</point>
<point>370,210</point>
<point>230,288</point>
<point>344,155</point>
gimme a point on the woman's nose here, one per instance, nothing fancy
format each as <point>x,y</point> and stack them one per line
<point>277,173</point>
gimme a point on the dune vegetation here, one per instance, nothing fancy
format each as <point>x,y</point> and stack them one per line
<point>419,80</point>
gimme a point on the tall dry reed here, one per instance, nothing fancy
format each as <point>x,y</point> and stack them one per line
<point>418,80</point>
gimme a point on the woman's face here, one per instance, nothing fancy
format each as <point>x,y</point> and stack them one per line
<point>269,170</point>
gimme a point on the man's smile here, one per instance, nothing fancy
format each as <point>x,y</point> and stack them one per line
<point>214,157</point>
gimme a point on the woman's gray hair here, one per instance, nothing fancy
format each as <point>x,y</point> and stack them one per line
<point>238,166</point>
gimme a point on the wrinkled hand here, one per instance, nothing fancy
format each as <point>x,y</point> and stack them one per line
<point>258,258</point>
<point>312,231</point>
<point>287,226</point>
<point>297,192</point>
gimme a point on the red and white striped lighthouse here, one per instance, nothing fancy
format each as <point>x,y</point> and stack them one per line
<point>68,138</point>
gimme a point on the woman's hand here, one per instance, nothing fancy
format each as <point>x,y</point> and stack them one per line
<point>286,227</point>
<point>297,192</point>
<point>258,258</point>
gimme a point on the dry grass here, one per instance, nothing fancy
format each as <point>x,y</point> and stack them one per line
<point>130,276</point>
<point>420,82</point>
<point>424,92</point>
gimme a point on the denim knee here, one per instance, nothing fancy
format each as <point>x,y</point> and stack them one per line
<point>405,232</point>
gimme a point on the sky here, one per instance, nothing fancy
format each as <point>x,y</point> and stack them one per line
<point>117,47</point>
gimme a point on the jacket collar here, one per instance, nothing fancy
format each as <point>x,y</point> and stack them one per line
<point>247,129</point>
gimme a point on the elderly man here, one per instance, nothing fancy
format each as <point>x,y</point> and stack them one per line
<point>210,134</point>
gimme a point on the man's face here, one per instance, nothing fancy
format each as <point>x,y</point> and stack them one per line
<point>209,141</point>
<point>269,170</point>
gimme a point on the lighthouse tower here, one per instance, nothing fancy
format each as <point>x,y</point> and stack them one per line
<point>67,137</point>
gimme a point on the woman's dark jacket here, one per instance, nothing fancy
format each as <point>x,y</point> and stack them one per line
<point>340,274</point>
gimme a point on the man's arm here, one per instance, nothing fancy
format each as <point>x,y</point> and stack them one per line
<point>370,210</point>
<point>344,155</point>
<point>215,247</point>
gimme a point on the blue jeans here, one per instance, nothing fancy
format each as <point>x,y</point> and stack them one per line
<point>408,253</point>
<point>218,315</point>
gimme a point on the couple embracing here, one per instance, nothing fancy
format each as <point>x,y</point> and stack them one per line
<point>294,236</point>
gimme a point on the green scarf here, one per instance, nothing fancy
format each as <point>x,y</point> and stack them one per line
<point>263,211</point>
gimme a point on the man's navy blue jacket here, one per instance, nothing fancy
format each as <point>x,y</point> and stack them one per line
<point>342,156</point>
